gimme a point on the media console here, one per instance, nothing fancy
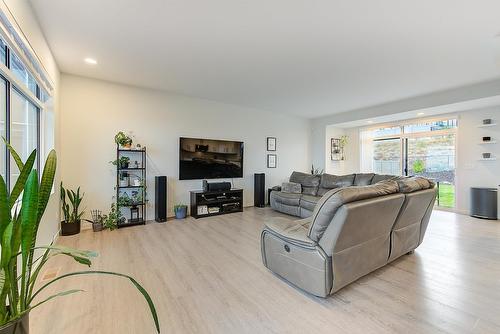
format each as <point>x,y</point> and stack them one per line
<point>213,203</point>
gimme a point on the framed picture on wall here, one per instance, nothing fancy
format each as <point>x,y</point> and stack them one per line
<point>271,143</point>
<point>271,160</point>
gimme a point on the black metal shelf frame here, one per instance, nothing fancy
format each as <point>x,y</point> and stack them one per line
<point>142,170</point>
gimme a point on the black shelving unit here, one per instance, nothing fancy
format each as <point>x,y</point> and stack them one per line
<point>140,172</point>
<point>214,203</point>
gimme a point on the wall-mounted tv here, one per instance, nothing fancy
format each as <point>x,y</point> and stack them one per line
<point>209,159</point>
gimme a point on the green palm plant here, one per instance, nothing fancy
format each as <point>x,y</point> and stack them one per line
<point>71,215</point>
<point>19,222</point>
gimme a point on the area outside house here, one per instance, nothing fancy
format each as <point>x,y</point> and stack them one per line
<point>430,156</point>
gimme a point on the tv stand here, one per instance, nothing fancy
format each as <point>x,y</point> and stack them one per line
<point>214,203</point>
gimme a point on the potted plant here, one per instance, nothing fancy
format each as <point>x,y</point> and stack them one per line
<point>180,211</point>
<point>123,140</point>
<point>19,268</point>
<point>97,220</point>
<point>72,216</point>
<point>123,182</point>
<point>123,162</point>
<point>124,200</point>
<point>110,221</point>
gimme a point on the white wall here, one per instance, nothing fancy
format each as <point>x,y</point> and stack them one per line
<point>28,23</point>
<point>351,151</point>
<point>93,111</point>
<point>470,171</point>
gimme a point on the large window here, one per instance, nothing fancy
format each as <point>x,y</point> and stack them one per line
<point>425,148</point>
<point>22,106</point>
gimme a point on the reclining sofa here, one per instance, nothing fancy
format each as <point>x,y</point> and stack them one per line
<point>352,229</point>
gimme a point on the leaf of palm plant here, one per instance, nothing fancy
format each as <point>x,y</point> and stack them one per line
<point>14,154</point>
<point>144,293</point>
<point>5,214</point>
<point>23,176</point>
<point>48,174</point>
<point>6,242</point>
<point>60,294</point>
<point>29,213</point>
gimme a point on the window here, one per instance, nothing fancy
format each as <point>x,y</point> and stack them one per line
<point>3,52</point>
<point>23,104</point>
<point>3,126</point>
<point>23,130</point>
<point>425,148</point>
<point>21,73</point>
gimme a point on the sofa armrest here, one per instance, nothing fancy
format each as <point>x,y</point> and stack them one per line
<point>293,231</point>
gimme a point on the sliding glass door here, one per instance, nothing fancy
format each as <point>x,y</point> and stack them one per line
<point>387,156</point>
<point>425,148</point>
<point>434,157</point>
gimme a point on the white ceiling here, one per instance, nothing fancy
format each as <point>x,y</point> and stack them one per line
<point>306,57</point>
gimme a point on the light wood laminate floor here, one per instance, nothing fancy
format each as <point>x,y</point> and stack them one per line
<point>206,276</point>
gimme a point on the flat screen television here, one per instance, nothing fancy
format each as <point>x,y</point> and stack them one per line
<point>210,159</point>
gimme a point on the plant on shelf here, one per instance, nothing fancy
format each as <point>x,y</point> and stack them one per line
<point>124,200</point>
<point>123,162</point>
<point>136,198</point>
<point>72,214</point>
<point>123,140</point>
<point>343,141</point>
<point>180,211</point>
<point>19,269</point>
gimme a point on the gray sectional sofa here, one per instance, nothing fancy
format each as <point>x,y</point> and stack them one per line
<point>351,226</point>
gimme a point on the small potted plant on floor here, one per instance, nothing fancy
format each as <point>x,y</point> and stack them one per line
<point>180,211</point>
<point>72,216</point>
<point>123,140</point>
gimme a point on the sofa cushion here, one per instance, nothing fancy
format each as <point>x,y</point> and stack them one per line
<point>363,179</point>
<point>382,177</point>
<point>329,182</point>
<point>291,187</point>
<point>310,183</point>
<point>286,198</point>
<point>309,202</point>
<point>294,231</point>
<point>414,183</point>
<point>329,204</point>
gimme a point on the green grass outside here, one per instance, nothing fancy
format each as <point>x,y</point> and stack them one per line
<point>446,195</point>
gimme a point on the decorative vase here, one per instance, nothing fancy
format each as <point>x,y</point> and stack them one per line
<point>19,326</point>
<point>70,228</point>
<point>180,213</point>
<point>127,146</point>
<point>124,165</point>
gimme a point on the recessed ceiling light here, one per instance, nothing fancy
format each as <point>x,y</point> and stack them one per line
<point>369,122</point>
<point>90,61</point>
<point>420,114</point>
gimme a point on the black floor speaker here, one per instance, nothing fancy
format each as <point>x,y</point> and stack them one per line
<point>259,191</point>
<point>160,198</point>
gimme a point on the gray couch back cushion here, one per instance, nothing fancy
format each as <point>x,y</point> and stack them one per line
<point>291,187</point>
<point>310,183</point>
<point>363,179</point>
<point>329,182</point>
<point>414,183</point>
<point>382,177</point>
<point>329,204</point>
